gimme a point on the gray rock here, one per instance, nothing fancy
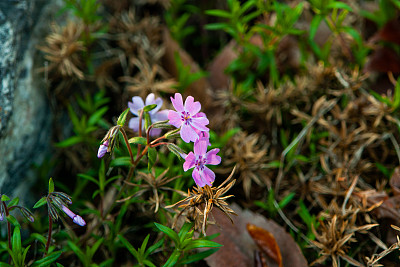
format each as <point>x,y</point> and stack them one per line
<point>25,116</point>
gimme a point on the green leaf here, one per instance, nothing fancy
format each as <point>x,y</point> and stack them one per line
<point>199,256</point>
<point>41,202</point>
<point>138,140</point>
<point>46,261</point>
<point>95,247</point>
<point>184,230</point>
<point>88,177</point>
<point>128,245</point>
<point>13,202</point>
<point>144,244</point>
<point>153,247</point>
<point>286,200</point>
<point>314,25</point>
<point>148,263</point>
<point>219,13</point>
<point>70,141</point>
<point>51,185</point>
<point>122,117</point>
<point>121,161</point>
<point>169,232</point>
<point>39,237</point>
<point>152,156</point>
<point>216,26</point>
<point>16,240</point>
<point>78,252</point>
<point>202,244</point>
<point>95,117</point>
<point>339,5</point>
<point>149,107</point>
<point>173,259</point>
<point>4,198</point>
<point>13,221</point>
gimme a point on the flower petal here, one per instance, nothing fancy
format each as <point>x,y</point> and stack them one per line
<point>200,123</point>
<point>200,147</point>
<point>177,102</point>
<point>102,151</point>
<point>192,107</point>
<point>188,134</point>
<point>150,99</point>
<point>160,116</point>
<point>155,132</point>
<point>197,178</point>
<point>189,161</point>
<point>212,158</point>
<point>136,105</point>
<point>134,124</point>
<point>175,118</point>
<point>208,176</point>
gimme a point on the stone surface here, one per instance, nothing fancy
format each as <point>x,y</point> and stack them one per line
<point>25,117</point>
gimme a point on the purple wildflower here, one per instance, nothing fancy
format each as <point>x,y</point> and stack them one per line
<point>103,149</point>
<point>75,218</point>
<point>187,117</point>
<point>201,174</point>
<point>137,105</point>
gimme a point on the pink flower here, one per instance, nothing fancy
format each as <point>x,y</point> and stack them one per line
<point>137,105</point>
<point>187,117</point>
<point>202,175</point>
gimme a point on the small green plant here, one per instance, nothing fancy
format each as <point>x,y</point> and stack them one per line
<point>184,242</point>
<point>269,205</point>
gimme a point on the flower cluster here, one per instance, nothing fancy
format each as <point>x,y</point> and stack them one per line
<point>192,124</point>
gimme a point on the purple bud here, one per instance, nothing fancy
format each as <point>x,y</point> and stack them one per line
<point>75,218</point>
<point>79,221</point>
<point>103,149</point>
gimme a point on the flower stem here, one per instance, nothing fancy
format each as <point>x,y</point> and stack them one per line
<point>8,228</point>
<point>127,144</point>
<point>49,235</point>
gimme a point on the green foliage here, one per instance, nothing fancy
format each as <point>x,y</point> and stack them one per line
<point>392,102</point>
<point>184,241</point>
<point>88,122</point>
<point>269,205</point>
<point>185,74</point>
<point>86,256</point>
<point>254,60</point>
<point>176,18</point>
<point>386,12</point>
<point>142,254</point>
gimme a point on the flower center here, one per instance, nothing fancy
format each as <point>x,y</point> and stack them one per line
<point>200,162</point>
<point>185,117</point>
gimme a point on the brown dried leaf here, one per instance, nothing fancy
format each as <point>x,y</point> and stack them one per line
<point>238,246</point>
<point>395,181</point>
<point>266,242</point>
<point>383,59</point>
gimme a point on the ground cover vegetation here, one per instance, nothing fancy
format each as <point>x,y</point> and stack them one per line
<point>176,121</point>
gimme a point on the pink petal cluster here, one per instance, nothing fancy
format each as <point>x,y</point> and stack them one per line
<point>198,160</point>
<point>188,118</point>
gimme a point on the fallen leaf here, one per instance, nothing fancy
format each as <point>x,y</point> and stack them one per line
<point>266,242</point>
<point>238,246</point>
<point>395,181</point>
<point>383,59</point>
